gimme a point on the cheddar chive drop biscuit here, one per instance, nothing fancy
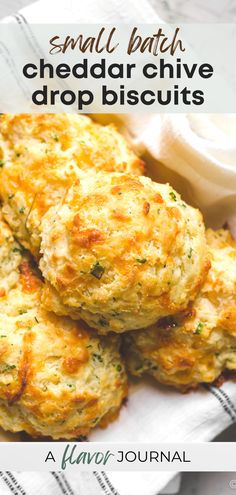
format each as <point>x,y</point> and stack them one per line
<point>41,156</point>
<point>197,346</point>
<point>57,377</point>
<point>121,251</point>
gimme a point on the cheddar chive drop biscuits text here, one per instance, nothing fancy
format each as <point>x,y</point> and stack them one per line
<point>40,158</point>
<point>186,350</point>
<point>57,377</point>
<point>122,251</point>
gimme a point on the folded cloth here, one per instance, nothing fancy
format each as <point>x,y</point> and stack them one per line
<point>159,414</point>
<point>58,483</point>
<point>153,413</point>
<point>89,11</point>
<point>196,153</point>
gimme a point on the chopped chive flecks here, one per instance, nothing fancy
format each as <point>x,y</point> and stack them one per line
<point>173,196</point>
<point>8,367</point>
<point>17,250</point>
<point>199,328</point>
<point>141,260</point>
<point>97,357</point>
<point>97,270</point>
<point>190,253</point>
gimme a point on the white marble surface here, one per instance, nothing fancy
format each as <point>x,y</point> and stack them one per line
<point>183,11</point>
<point>196,10</point>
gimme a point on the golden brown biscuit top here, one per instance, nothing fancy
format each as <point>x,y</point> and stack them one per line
<point>124,244</point>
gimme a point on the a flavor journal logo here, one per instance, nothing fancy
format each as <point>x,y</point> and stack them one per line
<point>74,455</point>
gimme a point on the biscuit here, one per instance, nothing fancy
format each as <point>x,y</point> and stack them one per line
<point>41,156</point>
<point>121,251</point>
<point>57,377</point>
<point>198,346</point>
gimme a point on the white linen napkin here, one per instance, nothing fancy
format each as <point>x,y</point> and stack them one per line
<point>197,154</point>
<point>153,413</point>
<point>58,483</point>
